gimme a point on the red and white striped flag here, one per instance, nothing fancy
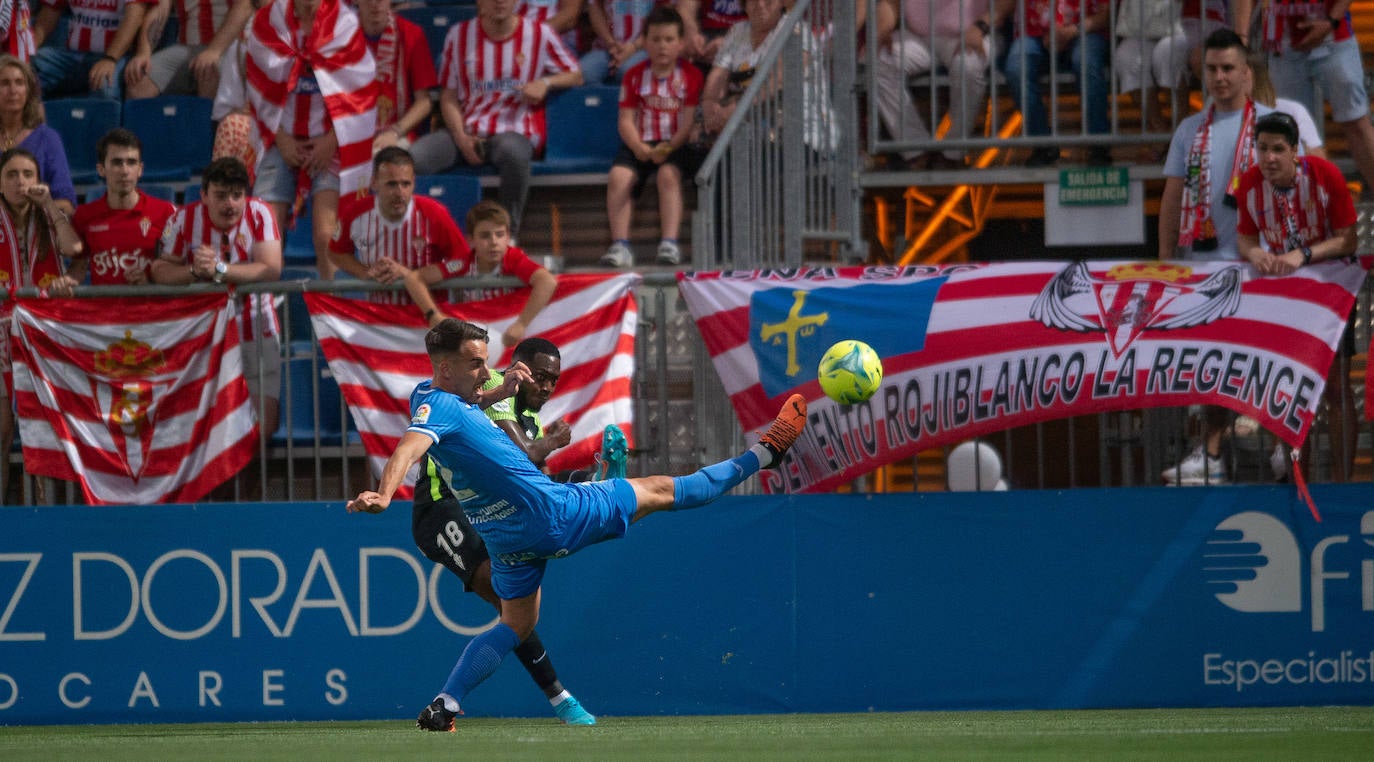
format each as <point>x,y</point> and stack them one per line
<point>377,354</point>
<point>140,400</point>
<point>972,349</point>
<point>334,53</point>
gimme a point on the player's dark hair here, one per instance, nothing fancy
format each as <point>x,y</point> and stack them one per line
<point>392,155</point>
<point>487,211</point>
<point>226,171</point>
<point>1278,123</point>
<point>664,14</point>
<point>450,334</point>
<point>526,350</point>
<point>120,138</point>
<point>1225,39</point>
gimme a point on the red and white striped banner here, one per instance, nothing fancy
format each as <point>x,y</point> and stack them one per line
<point>140,400</point>
<point>377,354</point>
<point>972,349</point>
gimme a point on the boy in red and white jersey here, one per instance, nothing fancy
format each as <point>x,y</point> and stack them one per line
<point>121,229</point>
<point>394,226</point>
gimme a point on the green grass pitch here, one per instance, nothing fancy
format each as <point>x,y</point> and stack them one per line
<point>1307,733</point>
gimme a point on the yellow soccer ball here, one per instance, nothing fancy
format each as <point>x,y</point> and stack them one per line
<point>850,372</point>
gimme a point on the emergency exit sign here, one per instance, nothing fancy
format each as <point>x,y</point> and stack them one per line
<point>1093,186</point>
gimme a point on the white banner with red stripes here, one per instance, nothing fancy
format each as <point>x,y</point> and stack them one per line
<point>377,354</point>
<point>972,349</point>
<point>139,400</point>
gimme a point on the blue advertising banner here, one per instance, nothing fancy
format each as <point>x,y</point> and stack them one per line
<point>1082,598</point>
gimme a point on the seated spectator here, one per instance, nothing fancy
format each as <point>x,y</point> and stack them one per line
<point>92,61</point>
<point>562,16</point>
<point>1078,31</point>
<point>395,226</point>
<point>120,230</point>
<point>16,31</point>
<point>657,101</point>
<point>956,36</point>
<point>191,66</point>
<point>706,22</point>
<point>21,124</point>
<point>1146,60</point>
<point>493,255</point>
<point>312,89</point>
<point>495,115</point>
<point>405,74</point>
<point>35,234</point>
<point>619,44</point>
<point>229,237</point>
<point>734,67</point>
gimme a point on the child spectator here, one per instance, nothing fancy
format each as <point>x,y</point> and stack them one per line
<point>492,256</point>
<point>121,229</point>
<point>657,100</point>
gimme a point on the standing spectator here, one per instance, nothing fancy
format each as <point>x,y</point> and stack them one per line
<point>1209,153</point>
<point>92,61</point>
<point>657,101</point>
<point>405,73</point>
<point>619,44</point>
<point>955,36</point>
<point>493,255</point>
<point>706,22</point>
<point>229,237</point>
<point>395,226</point>
<point>35,234</point>
<point>1312,44</point>
<point>206,30</point>
<point>21,124</point>
<point>16,30</point>
<point>1074,34</point>
<point>312,89</point>
<point>1296,211</point>
<point>120,230</point>
<point>1309,137</point>
<point>497,72</point>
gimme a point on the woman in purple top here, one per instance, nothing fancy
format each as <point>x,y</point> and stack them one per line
<point>21,125</point>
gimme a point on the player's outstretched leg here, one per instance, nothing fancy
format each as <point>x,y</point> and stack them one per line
<point>711,482</point>
<point>537,662</point>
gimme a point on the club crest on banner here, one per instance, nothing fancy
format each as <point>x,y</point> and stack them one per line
<point>1130,299</point>
<point>124,390</point>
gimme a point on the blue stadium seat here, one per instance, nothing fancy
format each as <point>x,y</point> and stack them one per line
<point>583,134</point>
<point>457,192</point>
<point>177,134</point>
<point>298,245</point>
<point>436,20</point>
<point>300,377</point>
<point>190,193</point>
<point>296,318</point>
<point>81,122</point>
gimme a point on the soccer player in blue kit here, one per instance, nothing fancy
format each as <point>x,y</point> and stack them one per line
<point>524,517</point>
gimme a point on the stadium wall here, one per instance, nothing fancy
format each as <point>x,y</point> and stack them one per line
<point>1086,598</point>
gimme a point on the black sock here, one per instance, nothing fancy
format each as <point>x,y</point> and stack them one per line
<point>537,662</point>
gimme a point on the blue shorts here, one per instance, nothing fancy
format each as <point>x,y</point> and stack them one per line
<point>1335,66</point>
<point>591,512</point>
<point>276,182</point>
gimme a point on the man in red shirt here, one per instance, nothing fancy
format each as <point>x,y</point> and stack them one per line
<point>394,226</point>
<point>1295,211</point>
<point>120,229</point>
<point>405,73</point>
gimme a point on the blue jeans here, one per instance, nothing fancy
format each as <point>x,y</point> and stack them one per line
<point>596,66</point>
<point>1031,56</point>
<point>65,72</point>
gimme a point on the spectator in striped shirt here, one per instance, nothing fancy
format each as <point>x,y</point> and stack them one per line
<point>497,71</point>
<point>395,226</point>
<point>658,98</point>
<point>229,237</point>
<point>191,66</point>
<point>619,43</point>
<point>93,60</point>
<point>493,256</point>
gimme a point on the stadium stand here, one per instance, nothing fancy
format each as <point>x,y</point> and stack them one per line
<point>306,383</point>
<point>457,192</point>
<point>582,137</point>
<point>436,20</point>
<point>179,127</point>
<point>81,122</point>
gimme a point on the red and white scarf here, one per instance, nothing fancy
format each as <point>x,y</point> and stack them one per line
<point>1281,19</point>
<point>1295,216</point>
<point>16,29</point>
<point>1196,214</point>
<point>391,75</point>
<point>335,51</point>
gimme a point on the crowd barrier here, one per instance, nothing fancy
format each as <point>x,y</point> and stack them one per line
<point>1089,598</point>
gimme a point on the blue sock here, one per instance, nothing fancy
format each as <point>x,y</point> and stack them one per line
<point>481,658</point>
<point>709,483</point>
<point>622,241</point>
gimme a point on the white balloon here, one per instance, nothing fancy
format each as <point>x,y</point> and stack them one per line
<point>974,466</point>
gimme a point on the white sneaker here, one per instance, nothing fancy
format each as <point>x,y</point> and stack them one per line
<point>669,254</point>
<point>619,255</point>
<point>1196,469</point>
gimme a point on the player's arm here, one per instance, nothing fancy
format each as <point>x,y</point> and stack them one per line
<point>542,285</point>
<point>413,444</point>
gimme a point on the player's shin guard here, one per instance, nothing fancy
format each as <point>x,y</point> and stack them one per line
<point>709,483</point>
<point>481,658</point>
<point>538,664</point>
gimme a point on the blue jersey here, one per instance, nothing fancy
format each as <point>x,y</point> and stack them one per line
<point>509,501</point>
